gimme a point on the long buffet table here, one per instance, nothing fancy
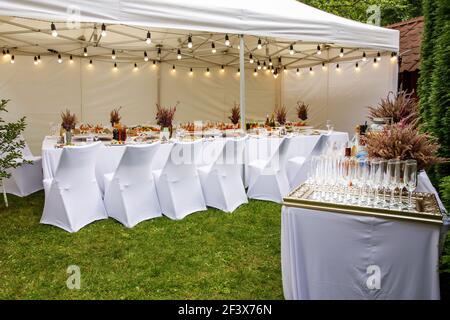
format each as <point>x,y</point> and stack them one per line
<point>257,147</point>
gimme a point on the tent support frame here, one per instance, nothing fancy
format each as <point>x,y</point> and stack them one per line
<point>242,79</point>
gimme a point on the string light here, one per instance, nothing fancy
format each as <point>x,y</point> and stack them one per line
<point>357,66</point>
<point>222,69</point>
<point>227,40</point>
<point>115,66</point>
<point>135,67</point>
<point>53,28</point>
<point>264,66</point>
<point>148,40</point>
<point>159,53</point>
<point>207,71</point>
<point>255,73</point>
<point>393,56</point>
<point>341,54</point>
<point>4,53</point>
<point>154,64</point>
<point>337,67</point>
<point>279,60</point>
<point>298,72</point>
<point>270,61</point>
<point>319,51</point>
<point>259,44</point>
<point>275,73</point>
<point>145,56</point>
<point>284,69</point>
<point>191,72</point>
<point>259,65</point>
<point>189,41</point>
<point>375,61</point>
<point>104,30</point>
<point>70,59</point>
<point>251,58</point>
<point>35,60</point>
<point>173,68</point>
<point>238,71</point>
<point>59,58</point>
<point>311,70</point>
<point>39,58</point>
<point>378,56</point>
<point>12,59</point>
<point>291,50</point>
<point>272,69</point>
<point>324,67</point>
<point>90,63</point>
<point>113,55</point>
<point>179,54</point>
<point>213,47</point>
<point>364,58</point>
<point>85,53</point>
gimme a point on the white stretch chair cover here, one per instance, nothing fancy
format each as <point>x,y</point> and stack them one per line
<point>178,184</point>
<point>222,183</point>
<point>130,192</point>
<point>72,197</point>
<point>27,178</point>
<point>268,178</point>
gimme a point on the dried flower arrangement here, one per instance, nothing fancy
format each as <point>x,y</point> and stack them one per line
<point>164,116</point>
<point>68,120</point>
<point>403,141</point>
<point>399,107</point>
<point>115,117</point>
<point>235,114</point>
<point>302,110</point>
<point>281,115</point>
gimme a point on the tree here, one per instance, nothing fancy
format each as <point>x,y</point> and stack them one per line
<point>10,143</point>
<point>392,11</point>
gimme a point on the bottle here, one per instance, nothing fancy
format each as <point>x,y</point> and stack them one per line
<point>267,121</point>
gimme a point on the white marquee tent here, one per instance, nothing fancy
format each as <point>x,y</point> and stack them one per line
<point>289,31</point>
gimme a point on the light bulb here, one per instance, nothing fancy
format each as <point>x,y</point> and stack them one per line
<point>324,67</point>
<point>270,62</point>
<point>272,69</point>
<point>53,28</point>
<point>341,54</point>
<point>311,70</point>
<point>227,40</point>
<point>357,66</point>
<point>113,55</point>
<point>179,54</point>
<point>378,56</point>
<point>85,52</point>
<point>251,58</point>
<point>259,44</point>
<point>173,68</point>
<point>284,69</point>
<point>145,56</point>
<point>213,48</point>
<point>364,58</point>
<point>222,69</point>
<point>12,59</point>
<point>207,71</point>
<point>39,58</point>
<point>298,72</point>
<point>255,73</point>
<point>148,40</point>
<point>115,66</point>
<point>337,66</point>
<point>291,50</point>
<point>239,71</point>
<point>189,42</point>
<point>264,66</point>
<point>35,60</point>
<point>154,64</point>
<point>59,58</point>
<point>103,30</point>
<point>71,59</point>
<point>4,53</point>
<point>319,51</point>
<point>375,61</point>
<point>90,63</point>
<point>191,72</point>
<point>259,65</point>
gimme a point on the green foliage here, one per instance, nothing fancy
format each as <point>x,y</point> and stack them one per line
<point>10,144</point>
<point>445,192</point>
<point>392,11</point>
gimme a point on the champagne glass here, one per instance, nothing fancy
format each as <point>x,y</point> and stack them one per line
<point>392,184</point>
<point>361,172</point>
<point>382,166</point>
<point>375,180</point>
<point>400,176</point>
<point>410,180</point>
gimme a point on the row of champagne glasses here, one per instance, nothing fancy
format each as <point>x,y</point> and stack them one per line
<point>359,181</point>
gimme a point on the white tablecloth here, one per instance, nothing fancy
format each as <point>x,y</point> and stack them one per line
<point>327,255</point>
<point>109,156</point>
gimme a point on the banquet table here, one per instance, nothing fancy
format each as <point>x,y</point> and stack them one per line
<point>256,147</point>
<point>329,255</point>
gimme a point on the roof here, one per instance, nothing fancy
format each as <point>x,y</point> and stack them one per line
<point>410,42</point>
<point>283,19</point>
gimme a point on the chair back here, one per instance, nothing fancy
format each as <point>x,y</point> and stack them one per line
<point>182,158</point>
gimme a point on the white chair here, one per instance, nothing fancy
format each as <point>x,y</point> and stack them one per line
<point>178,184</point>
<point>130,192</point>
<point>27,178</point>
<point>221,181</point>
<point>268,178</point>
<point>73,198</point>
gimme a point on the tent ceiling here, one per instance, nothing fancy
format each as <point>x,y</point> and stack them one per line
<point>33,37</point>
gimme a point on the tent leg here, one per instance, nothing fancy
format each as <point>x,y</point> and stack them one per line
<point>242,80</point>
<point>5,198</point>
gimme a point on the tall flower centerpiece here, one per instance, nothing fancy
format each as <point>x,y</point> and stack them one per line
<point>115,117</point>
<point>281,115</point>
<point>165,115</point>
<point>68,123</point>
<point>235,116</point>
<point>302,111</point>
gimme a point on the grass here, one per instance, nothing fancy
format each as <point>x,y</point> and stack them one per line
<point>208,255</point>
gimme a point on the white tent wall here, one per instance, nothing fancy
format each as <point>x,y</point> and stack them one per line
<point>41,92</point>
<point>340,96</point>
<point>210,97</point>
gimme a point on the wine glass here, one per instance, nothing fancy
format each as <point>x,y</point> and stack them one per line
<point>391,177</point>
<point>374,179</point>
<point>382,167</point>
<point>329,126</point>
<point>410,180</point>
<point>400,177</point>
<point>361,176</point>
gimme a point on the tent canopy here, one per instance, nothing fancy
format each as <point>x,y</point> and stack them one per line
<point>285,19</point>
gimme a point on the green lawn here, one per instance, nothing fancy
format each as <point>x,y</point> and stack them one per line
<point>208,255</point>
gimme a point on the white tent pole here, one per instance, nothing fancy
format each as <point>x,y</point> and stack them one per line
<point>5,198</point>
<point>242,80</point>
